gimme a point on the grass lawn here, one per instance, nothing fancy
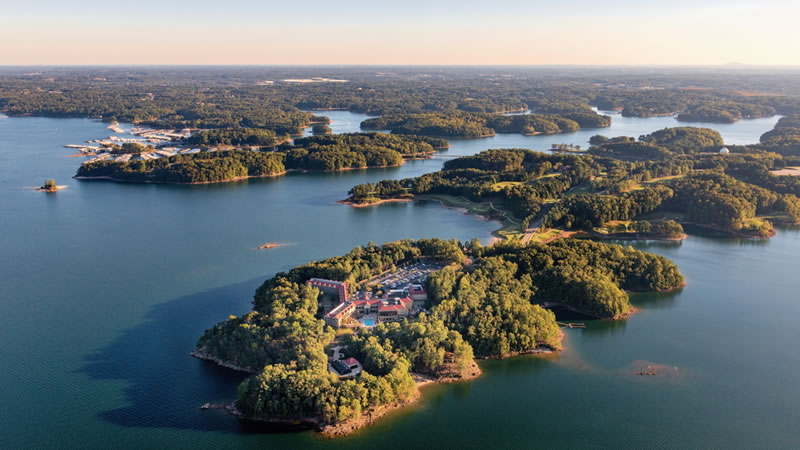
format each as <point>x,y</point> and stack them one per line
<point>584,188</point>
<point>547,234</point>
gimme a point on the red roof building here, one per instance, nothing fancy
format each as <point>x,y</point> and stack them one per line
<point>351,362</point>
<point>337,288</point>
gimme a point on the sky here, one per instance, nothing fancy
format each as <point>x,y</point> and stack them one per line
<point>469,32</point>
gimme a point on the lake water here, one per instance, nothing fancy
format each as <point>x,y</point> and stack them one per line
<point>107,286</point>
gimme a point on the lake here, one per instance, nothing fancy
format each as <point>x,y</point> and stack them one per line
<point>106,288</point>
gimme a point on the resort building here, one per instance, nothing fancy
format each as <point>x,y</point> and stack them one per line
<point>417,292</point>
<point>330,287</point>
<point>341,368</point>
<point>367,306</point>
<point>392,313</point>
<point>338,315</point>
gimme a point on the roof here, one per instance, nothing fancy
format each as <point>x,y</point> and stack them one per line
<point>367,302</point>
<point>391,308</point>
<point>341,367</point>
<point>339,310</point>
<point>324,281</point>
<point>350,361</point>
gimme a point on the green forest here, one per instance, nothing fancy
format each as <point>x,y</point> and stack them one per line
<point>316,153</point>
<point>238,98</point>
<point>489,308</point>
<point>671,172</point>
<point>464,124</point>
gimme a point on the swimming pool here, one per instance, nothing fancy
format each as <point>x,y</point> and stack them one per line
<point>368,322</point>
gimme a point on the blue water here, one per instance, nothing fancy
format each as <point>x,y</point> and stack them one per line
<point>368,322</point>
<point>106,288</point>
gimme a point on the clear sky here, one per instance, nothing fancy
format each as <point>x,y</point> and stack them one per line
<point>685,32</point>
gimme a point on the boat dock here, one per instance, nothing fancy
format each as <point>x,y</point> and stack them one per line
<point>571,325</point>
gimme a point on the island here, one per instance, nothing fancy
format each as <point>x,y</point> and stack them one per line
<point>471,125</point>
<point>335,344</point>
<point>50,186</point>
<point>645,189</point>
<point>324,153</point>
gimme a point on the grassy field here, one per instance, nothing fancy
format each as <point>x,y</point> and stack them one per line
<point>546,235</point>
<point>584,188</point>
<point>653,181</point>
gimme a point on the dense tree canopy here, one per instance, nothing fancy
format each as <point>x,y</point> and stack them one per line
<point>323,153</point>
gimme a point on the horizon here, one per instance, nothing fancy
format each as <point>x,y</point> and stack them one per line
<point>621,33</point>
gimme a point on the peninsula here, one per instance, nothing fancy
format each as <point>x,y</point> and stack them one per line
<point>345,347</point>
<point>623,188</point>
<point>326,153</point>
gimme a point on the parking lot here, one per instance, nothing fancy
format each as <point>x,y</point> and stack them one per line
<point>415,273</point>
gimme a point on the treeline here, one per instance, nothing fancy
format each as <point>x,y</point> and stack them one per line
<point>356,150</point>
<point>691,105</point>
<point>475,178</point>
<point>588,211</point>
<point>318,153</point>
<point>258,98</point>
<point>720,200</point>
<point>491,308</point>
<point>664,227</point>
<point>530,185</point>
<point>725,112</point>
<point>784,139</point>
<point>234,136</point>
<point>428,344</point>
<point>659,145</point>
<point>586,276</point>
<point>706,198</point>
<point>210,167</point>
<point>462,124</point>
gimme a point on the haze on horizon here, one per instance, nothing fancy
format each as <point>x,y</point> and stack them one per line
<point>468,32</point>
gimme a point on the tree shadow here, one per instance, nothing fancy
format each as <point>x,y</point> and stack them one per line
<point>165,386</point>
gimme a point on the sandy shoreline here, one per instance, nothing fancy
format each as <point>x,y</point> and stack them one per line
<point>56,189</point>
<point>380,202</point>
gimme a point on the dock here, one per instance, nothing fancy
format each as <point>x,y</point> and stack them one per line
<point>571,325</point>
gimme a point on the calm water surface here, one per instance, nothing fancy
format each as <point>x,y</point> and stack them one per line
<point>107,286</point>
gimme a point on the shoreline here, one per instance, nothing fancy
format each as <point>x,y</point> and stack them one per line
<point>201,354</point>
<point>416,156</point>
<point>379,202</point>
<point>734,233</point>
<point>228,180</point>
<point>370,415</point>
<point>346,427</point>
<point>633,236</point>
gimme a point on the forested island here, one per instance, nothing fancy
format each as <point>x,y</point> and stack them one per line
<point>623,186</point>
<point>486,303</point>
<point>470,125</point>
<point>315,153</point>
